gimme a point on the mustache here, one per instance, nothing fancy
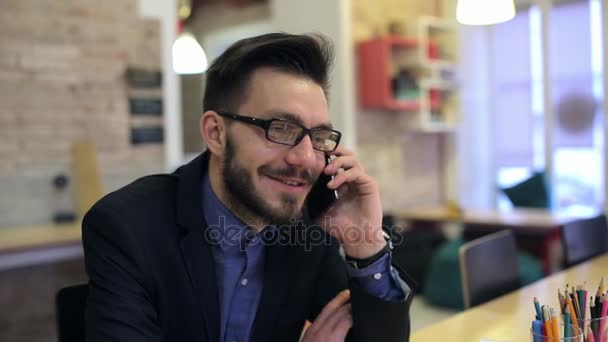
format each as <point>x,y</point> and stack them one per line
<point>289,171</point>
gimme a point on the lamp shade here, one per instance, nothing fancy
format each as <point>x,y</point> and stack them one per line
<point>484,12</point>
<point>188,55</point>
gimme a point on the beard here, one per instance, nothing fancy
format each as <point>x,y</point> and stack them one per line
<point>238,182</point>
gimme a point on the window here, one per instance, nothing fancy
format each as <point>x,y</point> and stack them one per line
<point>575,75</point>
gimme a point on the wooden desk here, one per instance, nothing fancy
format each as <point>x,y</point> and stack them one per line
<point>539,223</point>
<point>528,219</point>
<point>28,237</point>
<point>35,262</point>
<point>509,318</point>
<point>29,245</point>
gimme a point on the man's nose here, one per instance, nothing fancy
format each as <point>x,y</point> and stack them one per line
<point>303,154</point>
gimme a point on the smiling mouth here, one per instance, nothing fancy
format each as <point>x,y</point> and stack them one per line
<point>289,182</point>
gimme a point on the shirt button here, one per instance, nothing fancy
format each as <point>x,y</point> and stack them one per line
<point>377,276</point>
<point>244,282</point>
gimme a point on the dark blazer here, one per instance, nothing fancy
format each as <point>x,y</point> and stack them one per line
<point>152,275</point>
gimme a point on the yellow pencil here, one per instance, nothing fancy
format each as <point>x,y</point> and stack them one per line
<point>547,322</point>
<point>555,323</point>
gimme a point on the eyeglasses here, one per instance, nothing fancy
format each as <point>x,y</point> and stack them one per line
<point>290,133</point>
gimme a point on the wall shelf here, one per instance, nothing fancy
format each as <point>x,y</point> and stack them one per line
<point>375,69</point>
<point>411,74</point>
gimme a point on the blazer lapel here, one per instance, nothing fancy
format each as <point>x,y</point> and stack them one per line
<point>195,249</point>
<point>201,267</point>
<point>276,282</point>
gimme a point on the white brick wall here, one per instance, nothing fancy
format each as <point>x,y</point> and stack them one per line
<point>406,164</point>
<point>62,79</point>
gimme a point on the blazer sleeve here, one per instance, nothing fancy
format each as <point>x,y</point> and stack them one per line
<point>374,319</point>
<point>120,304</point>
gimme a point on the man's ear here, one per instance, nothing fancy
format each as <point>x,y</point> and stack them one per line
<point>213,132</point>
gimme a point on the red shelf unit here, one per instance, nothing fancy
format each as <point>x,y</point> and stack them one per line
<point>374,58</point>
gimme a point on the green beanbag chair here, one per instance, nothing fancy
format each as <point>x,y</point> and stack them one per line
<point>442,286</point>
<point>531,193</point>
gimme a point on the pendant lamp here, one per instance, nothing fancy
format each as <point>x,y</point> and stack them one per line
<point>484,12</point>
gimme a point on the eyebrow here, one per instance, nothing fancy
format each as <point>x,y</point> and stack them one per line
<point>294,118</point>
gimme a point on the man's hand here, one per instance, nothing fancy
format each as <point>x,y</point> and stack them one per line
<point>333,323</point>
<point>355,219</point>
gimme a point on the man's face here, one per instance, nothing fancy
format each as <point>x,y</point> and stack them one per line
<point>268,179</point>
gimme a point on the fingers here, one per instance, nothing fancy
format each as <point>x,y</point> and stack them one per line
<point>343,151</point>
<point>352,172</point>
<point>342,328</point>
<point>345,159</point>
<point>336,318</point>
<point>330,309</point>
<point>342,298</point>
<point>350,166</point>
<point>345,162</point>
<point>343,314</point>
<point>364,183</point>
<point>337,325</point>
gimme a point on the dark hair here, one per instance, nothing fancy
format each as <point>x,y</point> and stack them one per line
<point>308,55</point>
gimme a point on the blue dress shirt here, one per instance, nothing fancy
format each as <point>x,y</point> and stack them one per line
<point>239,263</point>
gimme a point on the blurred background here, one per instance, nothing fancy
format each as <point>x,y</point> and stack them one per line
<point>447,117</point>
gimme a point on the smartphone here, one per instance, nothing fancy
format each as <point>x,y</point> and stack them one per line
<point>321,197</point>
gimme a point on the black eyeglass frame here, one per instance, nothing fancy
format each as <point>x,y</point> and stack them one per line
<point>265,124</point>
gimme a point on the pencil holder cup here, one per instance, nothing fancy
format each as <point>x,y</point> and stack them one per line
<point>597,327</point>
<point>576,335</point>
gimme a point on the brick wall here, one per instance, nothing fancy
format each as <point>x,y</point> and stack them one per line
<point>371,18</point>
<point>407,164</point>
<point>62,79</point>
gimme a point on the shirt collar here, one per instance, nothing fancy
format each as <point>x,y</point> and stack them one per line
<point>224,228</point>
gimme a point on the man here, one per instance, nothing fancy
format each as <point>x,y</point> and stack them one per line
<point>220,250</point>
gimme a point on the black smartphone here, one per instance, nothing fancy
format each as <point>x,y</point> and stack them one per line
<point>321,197</point>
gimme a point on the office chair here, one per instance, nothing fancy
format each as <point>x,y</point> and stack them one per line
<point>584,239</point>
<point>488,267</point>
<point>70,304</point>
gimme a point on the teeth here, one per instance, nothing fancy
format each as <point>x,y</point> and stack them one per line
<point>291,183</point>
<point>287,181</point>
